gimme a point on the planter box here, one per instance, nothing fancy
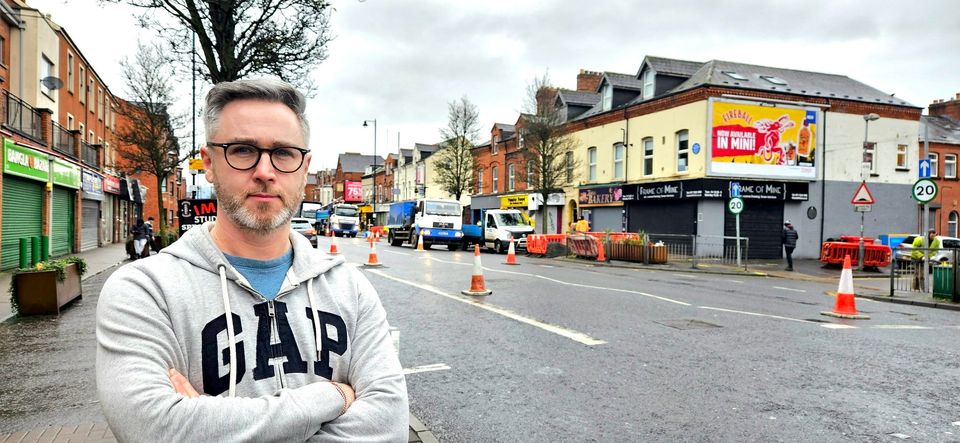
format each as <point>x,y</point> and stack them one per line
<point>40,293</point>
<point>637,253</point>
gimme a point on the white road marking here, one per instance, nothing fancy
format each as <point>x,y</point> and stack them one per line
<point>395,252</point>
<point>789,289</point>
<point>734,281</point>
<point>837,326</point>
<point>426,368</point>
<point>613,290</point>
<point>564,332</point>
<point>755,314</point>
<point>680,274</point>
<point>899,327</point>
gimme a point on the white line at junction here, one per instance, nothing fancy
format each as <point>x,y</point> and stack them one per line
<point>789,289</point>
<point>426,368</point>
<point>755,314</point>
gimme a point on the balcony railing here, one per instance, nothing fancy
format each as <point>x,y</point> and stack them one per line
<point>63,141</point>
<point>20,117</point>
<point>88,154</point>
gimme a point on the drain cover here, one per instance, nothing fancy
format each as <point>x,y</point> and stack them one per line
<point>687,324</point>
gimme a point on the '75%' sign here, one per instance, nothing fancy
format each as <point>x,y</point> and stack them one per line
<point>195,213</point>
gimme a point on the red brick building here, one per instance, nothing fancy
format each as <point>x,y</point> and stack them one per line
<point>943,129</point>
<point>351,167</point>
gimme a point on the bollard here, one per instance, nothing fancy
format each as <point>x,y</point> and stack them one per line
<point>24,253</point>
<point>34,250</point>
<point>44,247</point>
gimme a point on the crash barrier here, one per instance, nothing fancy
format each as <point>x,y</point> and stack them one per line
<point>537,243</point>
<point>876,255</point>
<point>907,276</point>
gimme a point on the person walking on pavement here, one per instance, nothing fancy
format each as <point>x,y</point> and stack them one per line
<point>917,254</point>
<point>141,232</point>
<point>789,239</point>
<point>241,330</point>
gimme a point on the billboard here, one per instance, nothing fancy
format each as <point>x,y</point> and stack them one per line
<point>750,140</point>
<point>353,192</point>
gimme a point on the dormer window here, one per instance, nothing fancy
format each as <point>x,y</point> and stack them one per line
<point>735,76</point>
<point>648,83</point>
<point>774,80</point>
<point>607,93</point>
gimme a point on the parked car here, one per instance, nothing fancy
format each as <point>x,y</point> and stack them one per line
<point>305,227</point>
<point>943,255</point>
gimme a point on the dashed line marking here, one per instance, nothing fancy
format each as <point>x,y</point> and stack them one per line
<point>837,326</point>
<point>426,368</point>
<point>900,327</point>
<point>734,281</point>
<point>757,314</point>
<point>789,289</point>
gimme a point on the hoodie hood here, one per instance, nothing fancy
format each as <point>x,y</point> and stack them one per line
<point>198,248</point>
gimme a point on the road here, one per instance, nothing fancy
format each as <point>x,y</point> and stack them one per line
<point>569,351</point>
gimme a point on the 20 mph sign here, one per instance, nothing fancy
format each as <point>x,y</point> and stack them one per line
<point>924,190</point>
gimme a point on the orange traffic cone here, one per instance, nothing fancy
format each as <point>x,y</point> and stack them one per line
<point>372,258</point>
<point>333,246</point>
<point>845,306</point>
<point>511,255</point>
<point>476,282</point>
<point>420,243</point>
<point>378,235</point>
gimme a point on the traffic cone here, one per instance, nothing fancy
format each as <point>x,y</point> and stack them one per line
<point>476,282</point>
<point>378,235</point>
<point>845,306</point>
<point>511,255</point>
<point>372,258</point>
<point>420,243</point>
<point>333,246</point>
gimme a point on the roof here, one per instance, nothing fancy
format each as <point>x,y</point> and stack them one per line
<point>406,153</point>
<point>578,98</point>
<point>505,127</point>
<point>357,162</point>
<point>622,81</point>
<point>670,66</point>
<point>811,84</point>
<point>423,147</point>
<point>941,129</point>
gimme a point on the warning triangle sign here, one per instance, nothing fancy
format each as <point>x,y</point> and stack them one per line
<point>862,196</point>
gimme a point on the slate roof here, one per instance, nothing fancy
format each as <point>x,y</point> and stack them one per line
<point>357,162</point>
<point>506,127</point>
<point>941,129</point>
<point>407,154</point>
<point>580,98</point>
<point>670,66</point>
<point>623,81</point>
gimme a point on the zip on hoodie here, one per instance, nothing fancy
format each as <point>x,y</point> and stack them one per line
<point>274,327</point>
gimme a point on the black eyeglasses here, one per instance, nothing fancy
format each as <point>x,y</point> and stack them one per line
<point>244,156</point>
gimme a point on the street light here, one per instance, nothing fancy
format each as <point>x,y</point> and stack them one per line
<point>374,166</point>
<point>866,131</point>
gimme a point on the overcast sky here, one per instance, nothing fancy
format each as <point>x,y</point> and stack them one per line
<point>401,61</point>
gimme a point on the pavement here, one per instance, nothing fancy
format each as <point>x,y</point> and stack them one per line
<point>871,285</point>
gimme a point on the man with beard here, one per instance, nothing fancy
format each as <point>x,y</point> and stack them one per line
<point>240,330</point>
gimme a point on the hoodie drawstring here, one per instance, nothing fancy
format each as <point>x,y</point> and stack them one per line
<point>316,315</point>
<point>230,338</point>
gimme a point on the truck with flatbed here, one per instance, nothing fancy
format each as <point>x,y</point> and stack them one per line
<point>437,221</point>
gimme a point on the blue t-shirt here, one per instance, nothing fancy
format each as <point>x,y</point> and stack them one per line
<point>266,276</point>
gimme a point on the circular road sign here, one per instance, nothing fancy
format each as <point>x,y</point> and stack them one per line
<point>735,205</point>
<point>924,190</point>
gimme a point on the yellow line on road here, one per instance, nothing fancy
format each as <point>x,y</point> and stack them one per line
<point>559,330</point>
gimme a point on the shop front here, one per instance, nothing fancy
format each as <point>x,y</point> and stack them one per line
<point>25,173</point>
<point>602,206</point>
<point>90,219</point>
<point>63,206</point>
<point>111,209</point>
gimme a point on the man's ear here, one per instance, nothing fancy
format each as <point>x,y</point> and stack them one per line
<point>207,163</point>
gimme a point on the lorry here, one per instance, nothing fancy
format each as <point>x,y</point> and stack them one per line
<point>496,228</point>
<point>438,222</point>
<point>344,220</point>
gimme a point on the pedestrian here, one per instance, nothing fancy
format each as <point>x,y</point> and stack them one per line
<point>582,225</point>
<point>242,331</point>
<point>918,253</point>
<point>789,239</point>
<point>140,232</point>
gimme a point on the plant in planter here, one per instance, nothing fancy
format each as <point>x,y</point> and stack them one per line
<point>47,286</point>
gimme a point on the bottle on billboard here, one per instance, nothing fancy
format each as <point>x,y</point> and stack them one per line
<point>803,139</point>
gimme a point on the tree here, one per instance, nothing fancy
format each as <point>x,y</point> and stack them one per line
<point>146,127</point>
<point>546,142</point>
<point>239,38</point>
<point>455,163</point>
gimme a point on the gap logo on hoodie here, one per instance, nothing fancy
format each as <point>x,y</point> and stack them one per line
<point>216,359</point>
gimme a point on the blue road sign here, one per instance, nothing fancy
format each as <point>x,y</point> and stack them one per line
<point>734,189</point>
<point>924,168</point>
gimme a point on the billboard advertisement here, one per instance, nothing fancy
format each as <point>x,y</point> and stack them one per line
<point>750,140</point>
<point>352,192</point>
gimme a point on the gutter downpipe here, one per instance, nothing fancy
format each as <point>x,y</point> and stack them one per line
<point>823,178</point>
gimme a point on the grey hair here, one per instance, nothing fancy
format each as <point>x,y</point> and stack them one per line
<point>266,89</point>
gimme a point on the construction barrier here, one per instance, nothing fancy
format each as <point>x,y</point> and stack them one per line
<point>613,236</point>
<point>874,254</point>
<point>586,246</point>
<point>537,243</point>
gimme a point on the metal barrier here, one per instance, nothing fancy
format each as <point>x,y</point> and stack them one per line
<point>701,249</point>
<point>907,276</point>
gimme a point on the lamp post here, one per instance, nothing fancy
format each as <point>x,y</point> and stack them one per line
<point>866,131</point>
<point>374,166</point>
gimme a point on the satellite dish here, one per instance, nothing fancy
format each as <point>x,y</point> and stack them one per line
<point>51,83</point>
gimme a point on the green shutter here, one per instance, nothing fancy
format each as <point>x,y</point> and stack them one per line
<point>22,216</point>
<point>61,226</point>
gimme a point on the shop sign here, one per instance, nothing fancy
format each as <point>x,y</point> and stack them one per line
<point>195,213</point>
<point>763,141</point>
<point>653,191</point>
<point>353,192</point>
<point>92,186</point>
<point>25,162</point>
<point>66,174</point>
<point>611,195</point>
<point>514,201</point>
<point>111,184</point>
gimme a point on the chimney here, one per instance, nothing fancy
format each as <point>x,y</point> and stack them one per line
<point>546,96</point>
<point>588,81</point>
<point>946,108</point>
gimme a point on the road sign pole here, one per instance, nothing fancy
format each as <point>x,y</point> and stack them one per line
<point>861,242</point>
<point>738,240</point>
<point>926,219</point>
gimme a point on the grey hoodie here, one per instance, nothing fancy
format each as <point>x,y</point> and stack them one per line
<point>170,311</point>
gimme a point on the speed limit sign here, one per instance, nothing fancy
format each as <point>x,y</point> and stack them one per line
<point>924,190</point>
<point>735,205</point>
